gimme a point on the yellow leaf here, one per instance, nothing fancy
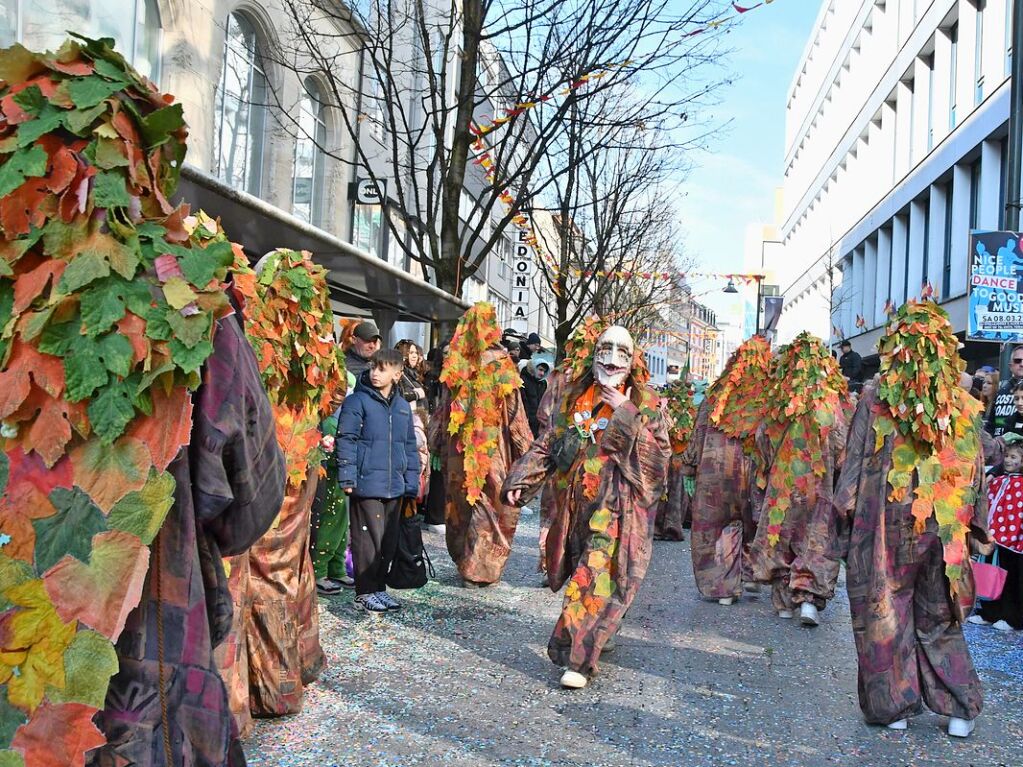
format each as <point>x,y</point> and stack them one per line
<point>178,293</point>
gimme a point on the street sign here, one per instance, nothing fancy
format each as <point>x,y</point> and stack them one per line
<point>368,192</point>
<point>995,287</point>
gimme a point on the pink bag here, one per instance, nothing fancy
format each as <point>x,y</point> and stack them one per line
<point>990,579</point>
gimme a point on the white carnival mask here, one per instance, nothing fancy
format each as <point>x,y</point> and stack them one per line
<point>612,360</point>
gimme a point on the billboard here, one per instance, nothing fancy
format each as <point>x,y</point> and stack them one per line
<point>995,287</point>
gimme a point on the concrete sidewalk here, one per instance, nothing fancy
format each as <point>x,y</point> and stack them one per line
<point>461,677</point>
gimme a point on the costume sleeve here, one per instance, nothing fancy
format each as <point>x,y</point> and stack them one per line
<point>238,470</point>
<point>437,431</point>
<point>641,448</point>
<point>992,447</point>
<point>518,426</point>
<point>529,473</point>
<point>979,523</point>
<point>847,492</point>
<point>349,430</point>
<point>838,438</point>
<point>412,464</point>
<point>693,453</point>
<point>545,410</point>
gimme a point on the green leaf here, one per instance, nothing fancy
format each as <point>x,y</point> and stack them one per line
<point>189,330</point>
<point>47,121</point>
<point>142,512</point>
<point>157,326</point>
<point>110,70</point>
<point>69,531</point>
<point>89,91</point>
<point>117,355</point>
<point>158,126</point>
<point>83,370</point>
<point>80,122</point>
<point>200,265</point>
<point>89,663</point>
<point>109,191</point>
<point>190,359</point>
<point>11,759</point>
<point>31,100</point>
<point>107,154</point>
<point>111,412</point>
<point>11,718</point>
<point>25,163</point>
<point>86,267</point>
<point>603,586</point>
<point>5,472</point>
<point>101,306</point>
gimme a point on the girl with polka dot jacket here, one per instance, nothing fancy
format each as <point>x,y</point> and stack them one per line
<point>1005,520</point>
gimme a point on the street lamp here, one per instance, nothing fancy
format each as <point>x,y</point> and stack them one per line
<point>730,288</point>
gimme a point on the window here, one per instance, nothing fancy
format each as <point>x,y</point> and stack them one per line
<point>974,193</point>
<point>953,75</point>
<point>929,62</point>
<point>41,25</point>
<point>240,109</point>
<point>1003,169</point>
<point>926,274</point>
<point>367,229</point>
<point>978,54</point>
<point>905,265</point>
<point>946,255</point>
<point>307,187</point>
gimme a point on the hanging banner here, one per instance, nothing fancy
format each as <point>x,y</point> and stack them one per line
<point>522,273</point>
<point>995,287</point>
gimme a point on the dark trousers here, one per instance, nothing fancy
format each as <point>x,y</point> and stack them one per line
<point>374,531</point>
<point>1008,607</point>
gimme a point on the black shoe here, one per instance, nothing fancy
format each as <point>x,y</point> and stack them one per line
<point>370,603</point>
<point>388,601</point>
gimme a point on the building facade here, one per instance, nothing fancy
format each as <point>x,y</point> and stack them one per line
<point>896,127</point>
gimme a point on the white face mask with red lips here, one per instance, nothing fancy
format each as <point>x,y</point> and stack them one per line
<point>612,360</point>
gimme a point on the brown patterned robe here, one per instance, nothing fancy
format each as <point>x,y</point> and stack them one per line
<point>675,507</point>
<point>479,536</point>
<point>799,566</point>
<point>723,520</point>
<point>600,546</point>
<point>907,627</point>
<point>230,481</point>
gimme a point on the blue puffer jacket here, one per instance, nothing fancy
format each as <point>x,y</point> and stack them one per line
<point>376,444</point>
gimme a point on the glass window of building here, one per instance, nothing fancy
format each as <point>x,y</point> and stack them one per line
<point>241,108</point>
<point>307,187</point>
<point>946,253</point>
<point>42,25</point>
<point>953,79</point>
<point>978,54</point>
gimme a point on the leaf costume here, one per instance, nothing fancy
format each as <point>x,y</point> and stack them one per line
<point>909,495</point>
<point>479,429</point>
<point>289,322</point>
<point>601,510</point>
<point>720,456</point>
<point>113,595</point>
<point>801,443</point>
<point>675,508</point>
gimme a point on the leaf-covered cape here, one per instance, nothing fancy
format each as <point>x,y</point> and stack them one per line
<point>289,323</point>
<point>107,314</point>
<point>803,403</point>
<point>934,425</point>
<point>681,413</point>
<point>477,391</point>
<point>735,399</point>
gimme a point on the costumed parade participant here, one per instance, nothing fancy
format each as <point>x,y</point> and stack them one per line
<point>607,451</point>
<point>907,503</point>
<point>290,325</point>
<point>479,430</point>
<point>675,507</point>
<point>720,457</point>
<point>121,348</point>
<point>801,444</point>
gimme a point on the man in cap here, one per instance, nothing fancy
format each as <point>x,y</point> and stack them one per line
<point>851,363</point>
<point>365,343</point>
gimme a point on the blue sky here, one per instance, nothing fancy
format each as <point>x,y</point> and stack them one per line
<point>734,181</point>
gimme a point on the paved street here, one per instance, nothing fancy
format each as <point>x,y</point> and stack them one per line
<point>461,678</point>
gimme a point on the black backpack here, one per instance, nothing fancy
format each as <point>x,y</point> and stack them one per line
<point>411,567</point>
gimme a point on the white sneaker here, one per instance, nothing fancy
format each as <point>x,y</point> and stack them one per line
<point>785,614</point>
<point>901,724</point>
<point>573,680</point>
<point>525,511</point>
<point>808,615</point>
<point>1002,626</point>
<point>960,728</point>
<point>976,620</point>
<point>437,528</point>
<point>727,601</point>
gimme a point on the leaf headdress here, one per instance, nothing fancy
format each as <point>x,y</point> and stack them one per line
<point>933,424</point>
<point>108,312</point>
<point>681,413</point>
<point>735,398</point>
<point>478,384</point>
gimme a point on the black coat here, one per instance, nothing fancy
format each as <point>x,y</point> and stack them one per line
<point>532,391</point>
<point>852,366</point>
<point>1004,410</point>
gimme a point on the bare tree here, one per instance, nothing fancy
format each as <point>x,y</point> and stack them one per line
<point>434,70</point>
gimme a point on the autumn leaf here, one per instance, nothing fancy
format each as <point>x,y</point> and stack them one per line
<point>109,472</point>
<point>69,531</point>
<point>89,663</point>
<point>59,735</point>
<point>169,427</point>
<point>142,512</point>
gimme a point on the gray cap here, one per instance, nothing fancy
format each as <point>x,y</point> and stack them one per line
<point>367,331</point>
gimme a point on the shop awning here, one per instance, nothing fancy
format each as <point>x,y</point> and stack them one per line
<point>360,284</point>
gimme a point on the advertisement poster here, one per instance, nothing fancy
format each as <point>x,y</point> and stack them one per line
<point>995,285</point>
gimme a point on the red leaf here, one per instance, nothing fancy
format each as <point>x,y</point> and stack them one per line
<point>58,735</point>
<point>133,328</point>
<point>64,170</point>
<point>49,424</point>
<point>168,429</point>
<point>23,208</point>
<point>27,498</point>
<point>30,285</point>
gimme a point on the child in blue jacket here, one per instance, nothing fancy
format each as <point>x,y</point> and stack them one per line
<point>378,465</point>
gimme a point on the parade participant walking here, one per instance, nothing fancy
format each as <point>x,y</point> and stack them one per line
<point>478,431</point>
<point>1004,408</point>
<point>675,506</point>
<point>800,445</point>
<point>608,451</point>
<point>719,456</point>
<point>137,440</point>
<point>378,465</point>
<point>907,503</point>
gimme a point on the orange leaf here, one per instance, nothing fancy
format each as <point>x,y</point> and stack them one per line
<point>109,472</point>
<point>65,168</point>
<point>168,429</point>
<point>27,498</point>
<point>58,735</point>
<point>26,365</point>
<point>133,328</point>
<point>102,593</point>
<point>30,285</point>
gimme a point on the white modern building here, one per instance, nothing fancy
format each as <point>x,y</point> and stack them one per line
<point>896,147</point>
